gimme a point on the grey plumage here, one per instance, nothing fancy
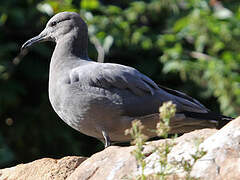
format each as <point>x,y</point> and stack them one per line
<point>101,99</point>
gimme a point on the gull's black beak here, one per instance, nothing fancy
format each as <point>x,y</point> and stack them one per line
<point>41,37</point>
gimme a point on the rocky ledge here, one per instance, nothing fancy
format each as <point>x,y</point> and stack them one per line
<point>219,149</point>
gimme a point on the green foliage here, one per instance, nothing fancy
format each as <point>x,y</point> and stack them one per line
<point>191,46</point>
<point>212,59</point>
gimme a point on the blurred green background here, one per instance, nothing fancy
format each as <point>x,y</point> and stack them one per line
<point>188,45</point>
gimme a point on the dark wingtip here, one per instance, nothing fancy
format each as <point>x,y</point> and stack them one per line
<point>219,120</point>
<point>223,121</point>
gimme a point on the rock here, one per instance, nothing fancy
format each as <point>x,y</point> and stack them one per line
<point>221,161</point>
<point>112,163</point>
<point>45,168</point>
<point>184,147</point>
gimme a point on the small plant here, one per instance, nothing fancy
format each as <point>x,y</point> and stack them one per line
<point>139,140</point>
<point>167,111</point>
<point>187,165</point>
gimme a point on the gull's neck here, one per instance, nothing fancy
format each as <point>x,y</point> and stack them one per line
<point>70,51</point>
<point>72,45</point>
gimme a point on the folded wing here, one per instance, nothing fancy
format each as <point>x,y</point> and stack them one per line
<point>141,95</point>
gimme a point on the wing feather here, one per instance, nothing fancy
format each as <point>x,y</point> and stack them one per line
<point>114,75</point>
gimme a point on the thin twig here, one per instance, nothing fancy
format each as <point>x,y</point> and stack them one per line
<point>99,48</point>
<point>19,57</point>
<point>199,55</point>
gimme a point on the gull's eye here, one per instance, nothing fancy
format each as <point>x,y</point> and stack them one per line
<point>53,23</point>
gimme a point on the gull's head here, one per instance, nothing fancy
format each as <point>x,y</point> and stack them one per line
<point>59,26</point>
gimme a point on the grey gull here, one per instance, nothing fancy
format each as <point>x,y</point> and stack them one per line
<point>102,99</point>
